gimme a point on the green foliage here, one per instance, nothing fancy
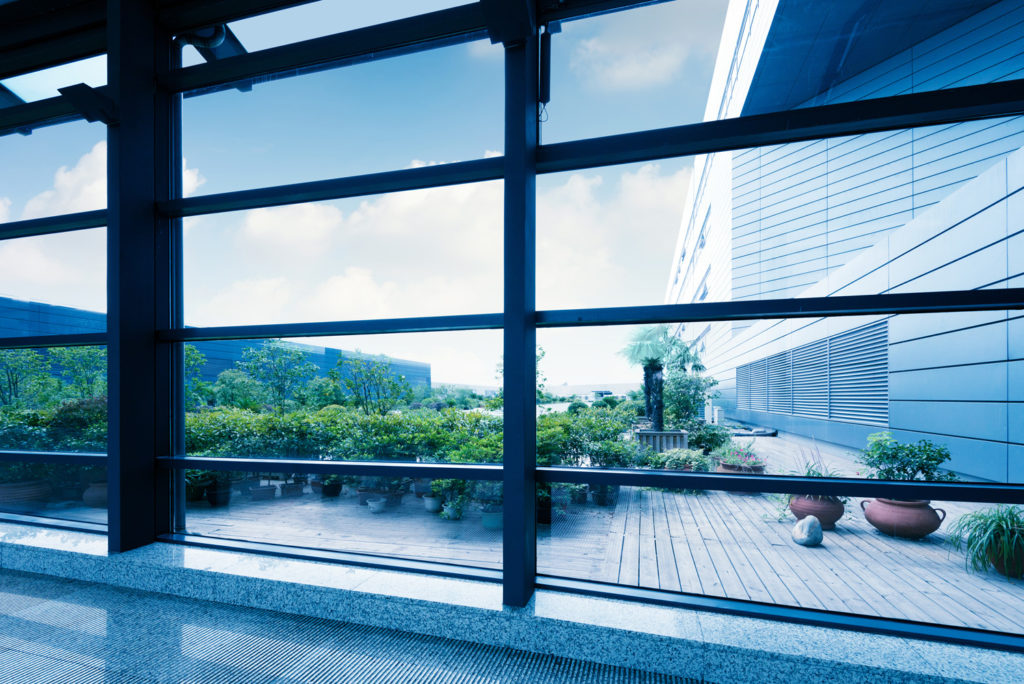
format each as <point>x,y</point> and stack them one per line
<point>575,407</point>
<point>84,369</point>
<point>679,459</point>
<point>706,437</point>
<point>741,455</point>
<point>197,392</point>
<point>20,369</point>
<point>237,390</point>
<point>994,533</point>
<point>281,369</point>
<point>17,471</point>
<point>891,460</point>
<point>374,388</point>
<point>686,394</point>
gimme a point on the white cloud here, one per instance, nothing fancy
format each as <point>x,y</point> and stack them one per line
<point>83,187</point>
<point>645,47</point>
<point>243,302</point>
<point>295,231</point>
<point>5,209</point>
<point>67,269</point>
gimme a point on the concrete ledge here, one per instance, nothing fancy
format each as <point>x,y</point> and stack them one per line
<point>675,641</point>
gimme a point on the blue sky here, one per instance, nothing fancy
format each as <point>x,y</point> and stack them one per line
<point>605,236</point>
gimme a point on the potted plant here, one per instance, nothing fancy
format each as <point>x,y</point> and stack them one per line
<point>609,453</point>
<point>218,489</point>
<point>377,504</point>
<point>330,486</point>
<point>195,484</point>
<point>432,502</point>
<point>453,494</point>
<point>827,509</point>
<point>263,492</point>
<point>295,487</point>
<point>738,458</point>
<point>454,508</point>
<point>891,460</point>
<point>992,536</point>
<point>490,496</point>
<point>492,517</point>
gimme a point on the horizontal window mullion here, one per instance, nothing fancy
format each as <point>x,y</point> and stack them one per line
<point>439,175</point>
<point>53,224</point>
<point>378,468</point>
<point>25,117</point>
<point>383,326</point>
<point>968,103</point>
<point>799,307</point>
<point>788,484</point>
<point>59,340</point>
<point>371,41</point>
<point>65,457</point>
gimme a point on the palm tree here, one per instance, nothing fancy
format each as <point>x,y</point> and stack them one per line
<point>653,348</point>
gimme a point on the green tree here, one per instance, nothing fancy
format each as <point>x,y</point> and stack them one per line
<point>654,348</point>
<point>84,370</point>
<point>320,392</point>
<point>686,394</point>
<point>196,391</point>
<point>281,368</point>
<point>19,370</point>
<point>235,388</point>
<point>374,388</point>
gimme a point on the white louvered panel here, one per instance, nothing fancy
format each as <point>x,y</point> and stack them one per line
<point>859,375</point>
<point>810,380</point>
<point>759,385</point>
<point>780,383</point>
<point>743,387</point>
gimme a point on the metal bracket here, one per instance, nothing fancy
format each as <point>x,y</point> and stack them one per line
<point>509,22</point>
<point>91,103</point>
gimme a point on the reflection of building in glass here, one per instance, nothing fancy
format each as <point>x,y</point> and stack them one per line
<point>935,208</point>
<point>19,318</point>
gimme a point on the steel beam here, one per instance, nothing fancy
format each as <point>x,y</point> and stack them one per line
<point>968,103</point>
<point>138,51</point>
<point>49,341</point>
<point>796,307</point>
<point>53,224</point>
<point>440,175</point>
<point>341,468</point>
<point>520,335</point>
<point>48,112</point>
<point>62,457</point>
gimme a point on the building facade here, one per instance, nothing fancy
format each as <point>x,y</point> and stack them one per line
<point>928,209</point>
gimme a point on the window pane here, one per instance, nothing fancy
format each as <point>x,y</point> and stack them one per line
<point>59,170</point>
<point>685,61</point>
<point>906,397</point>
<point>741,546</point>
<point>419,253</point>
<point>53,399</point>
<point>441,520</point>
<point>43,84</point>
<point>429,397</point>
<point>427,108</point>
<point>52,490</point>
<point>53,284</point>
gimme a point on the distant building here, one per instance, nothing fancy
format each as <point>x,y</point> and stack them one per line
<point>902,211</point>
<point>19,318</point>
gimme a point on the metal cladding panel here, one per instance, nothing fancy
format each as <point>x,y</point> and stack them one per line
<point>780,383</point>
<point>858,375</point>
<point>810,380</point>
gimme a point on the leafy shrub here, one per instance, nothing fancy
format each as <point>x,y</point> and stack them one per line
<point>891,460</point>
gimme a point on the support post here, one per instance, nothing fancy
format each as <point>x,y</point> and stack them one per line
<point>137,177</point>
<point>520,361</point>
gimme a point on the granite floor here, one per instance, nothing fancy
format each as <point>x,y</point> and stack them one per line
<point>64,631</point>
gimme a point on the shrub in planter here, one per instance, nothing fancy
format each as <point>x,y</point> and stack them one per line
<point>330,486</point>
<point>891,460</point>
<point>454,508</point>
<point>827,509</point>
<point>736,458</point>
<point>218,491</point>
<point>992,536</point>
<point>577,493</point>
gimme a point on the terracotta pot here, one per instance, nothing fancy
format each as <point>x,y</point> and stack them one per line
<point>907,519</point>
<point>96,495</point>
<point>1014,565</point>
<point>21,492</point>
<point>826,510</point>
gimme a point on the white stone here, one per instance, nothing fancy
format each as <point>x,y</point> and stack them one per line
<point>807,532</point>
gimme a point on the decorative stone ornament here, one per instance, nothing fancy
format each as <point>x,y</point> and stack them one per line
<point>807,532</point>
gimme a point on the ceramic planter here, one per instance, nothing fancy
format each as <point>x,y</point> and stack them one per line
<point>737,469</point>
<point>452,511</point>
<point>492,520</point>
<point>1013,566</point>
<point>907,519</point>
<point>432,503</point>
<point>827,511</point>
<point>377,505</point>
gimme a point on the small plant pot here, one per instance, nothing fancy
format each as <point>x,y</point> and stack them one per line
<point>96,495</point>
<point>330,490</point>
<point>395,498</point>
<point>906,519</point>
<point>492,520</point>
<point>263,492</point>
<point>432,503</point>
<point>218,495</point>
<point>293,489</point>
<point>377,505</point>
<point>827,511</point>
<point>452,511</point>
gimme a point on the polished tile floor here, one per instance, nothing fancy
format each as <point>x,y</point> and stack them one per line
<point>66,631</point>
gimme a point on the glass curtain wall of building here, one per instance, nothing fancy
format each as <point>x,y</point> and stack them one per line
<point>409,310</point>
